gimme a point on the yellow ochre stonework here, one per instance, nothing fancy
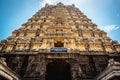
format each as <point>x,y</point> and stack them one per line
<point>83,49</point>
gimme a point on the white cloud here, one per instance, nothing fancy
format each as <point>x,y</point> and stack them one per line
<point>48,2</point>
<point>109,28</point>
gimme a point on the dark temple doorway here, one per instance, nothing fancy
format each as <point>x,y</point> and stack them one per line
<point>58,70</point>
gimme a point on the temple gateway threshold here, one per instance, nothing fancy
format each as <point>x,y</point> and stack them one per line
<point>58,70</point>
<point>59,42</point>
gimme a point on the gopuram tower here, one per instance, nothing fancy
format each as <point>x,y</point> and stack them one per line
<point>59,42</point>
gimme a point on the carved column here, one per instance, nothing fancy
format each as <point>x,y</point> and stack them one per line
<point>75,70</point>
<point>42,62</point>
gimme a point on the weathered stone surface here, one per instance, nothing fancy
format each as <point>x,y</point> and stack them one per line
<point>83,49</point>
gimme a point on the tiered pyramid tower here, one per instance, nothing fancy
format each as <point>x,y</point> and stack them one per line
<point>59,35</point>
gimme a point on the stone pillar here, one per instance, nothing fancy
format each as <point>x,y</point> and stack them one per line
<point>42,61</point>
<point>75,70</point>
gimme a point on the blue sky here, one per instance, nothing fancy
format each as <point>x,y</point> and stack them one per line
<point>104,13</point>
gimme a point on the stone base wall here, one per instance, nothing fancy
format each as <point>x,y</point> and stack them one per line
<point>34,66</point>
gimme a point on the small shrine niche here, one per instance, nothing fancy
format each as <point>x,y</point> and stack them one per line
<point>22,47</point>
<point>9,47</point>
<point>33,21</point>
<point>41,34</point>
<point>86,34</point>
<point>75,16</point>
<point>85,40</point>
<point>81,26</point>
<point>22,44</point>
<point>19,40</point>
<point>23,26</point>
<point>95,26</point>
<point>81,47</point>
<point>95,47</point>
<point>107,40</point>
<point>73,26</point>
<point>23,40</point>
<point>47,21</point>
<point>28,27</point>
<point>19,47</point>
<point>21,34</point>
<point>89,21</point>
<point>45,26</point>
<point>14,33</point>
<point>90,26</point>
<point>97,34</point>
<point>39,21</point>
<point>51,17</point>
<point>58,44</point>
<point>104,34</point>
<point>76,34</point>
<point>36,26</point>
<point>108,48</point>
<point>68,16</point>
<point>59,20</point>
<point>31,33</point>
<point>117,48</point>
<point>36,46</point>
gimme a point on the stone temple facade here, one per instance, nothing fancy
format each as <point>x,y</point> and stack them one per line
<point>59,42</point>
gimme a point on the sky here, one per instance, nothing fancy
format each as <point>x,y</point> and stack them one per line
<point>104,13</point>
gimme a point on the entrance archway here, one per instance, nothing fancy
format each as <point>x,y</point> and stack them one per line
<point>58,70</point>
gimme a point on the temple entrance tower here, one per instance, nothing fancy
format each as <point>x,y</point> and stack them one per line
<point>58,42</point>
